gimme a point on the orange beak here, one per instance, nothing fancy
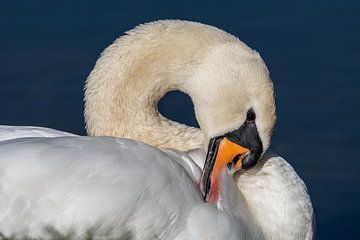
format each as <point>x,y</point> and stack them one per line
<point>221,153</point>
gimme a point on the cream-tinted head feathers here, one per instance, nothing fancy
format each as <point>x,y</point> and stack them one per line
<point>223,77</point>
<point>231,80</point>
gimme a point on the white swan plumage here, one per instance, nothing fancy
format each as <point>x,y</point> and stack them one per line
<point>116,186</point>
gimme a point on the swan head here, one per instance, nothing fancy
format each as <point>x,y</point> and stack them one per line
<point>235,106</point>
<point>231,88</point>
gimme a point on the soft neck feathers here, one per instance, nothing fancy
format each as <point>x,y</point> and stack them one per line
<point>217,70</point>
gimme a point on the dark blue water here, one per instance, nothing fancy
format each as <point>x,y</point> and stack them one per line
<point>312,49</point>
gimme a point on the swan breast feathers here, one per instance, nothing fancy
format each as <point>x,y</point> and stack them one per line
<point>275,181</point>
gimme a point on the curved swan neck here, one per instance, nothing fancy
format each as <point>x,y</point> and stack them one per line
<point>132,75</point>
<point>123,90</point>
<point>222,76</point>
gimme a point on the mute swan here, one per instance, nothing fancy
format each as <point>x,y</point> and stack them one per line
<point>74,181</point>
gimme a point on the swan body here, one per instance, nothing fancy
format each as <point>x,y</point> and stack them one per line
<point>115,186</point>
<point>79,183</point>
<point>69,181</point>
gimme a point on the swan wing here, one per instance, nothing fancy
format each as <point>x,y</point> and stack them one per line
<point>108,184</point>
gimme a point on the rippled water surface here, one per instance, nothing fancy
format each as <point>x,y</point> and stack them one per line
<point>311,48</point>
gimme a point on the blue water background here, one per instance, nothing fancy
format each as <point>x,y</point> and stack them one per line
<point>47,49</point>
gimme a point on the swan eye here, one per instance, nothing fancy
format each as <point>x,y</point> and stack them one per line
<point>250,115</point>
